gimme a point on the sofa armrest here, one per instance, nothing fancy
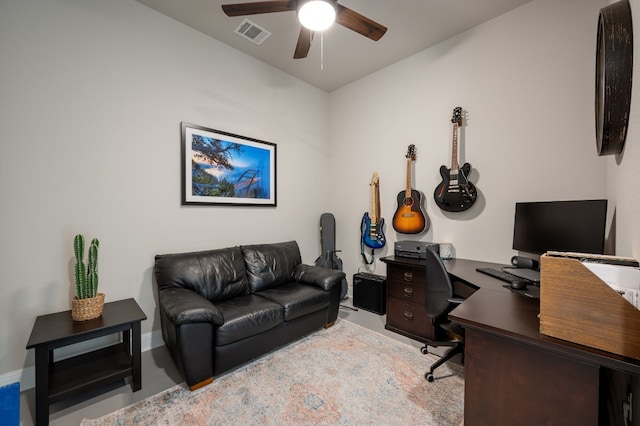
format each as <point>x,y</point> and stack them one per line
<point>183,306</point>
<point>317,275</point>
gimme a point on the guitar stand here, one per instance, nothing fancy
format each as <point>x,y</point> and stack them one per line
<point>351,308</point>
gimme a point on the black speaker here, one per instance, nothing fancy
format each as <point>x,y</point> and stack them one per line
<point>524,262</point>
<point>370,292</point>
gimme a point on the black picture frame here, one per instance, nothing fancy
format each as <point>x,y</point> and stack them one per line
<point>222,168</point>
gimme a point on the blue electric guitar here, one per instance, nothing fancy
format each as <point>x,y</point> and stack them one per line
<point>372,224</point>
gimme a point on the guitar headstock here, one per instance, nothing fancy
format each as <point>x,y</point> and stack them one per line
<point>411,152</point>
<point>374,179</point>
<point>457,116</point>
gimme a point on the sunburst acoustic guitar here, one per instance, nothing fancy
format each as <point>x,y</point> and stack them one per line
<point>455,193</point>
<point>409,218</point>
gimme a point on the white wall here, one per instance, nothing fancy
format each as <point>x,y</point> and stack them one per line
<point>623,172</point>
<point>92,94</point>
<point>527,82</point>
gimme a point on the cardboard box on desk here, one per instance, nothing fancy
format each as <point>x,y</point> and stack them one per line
<point>575,305</point>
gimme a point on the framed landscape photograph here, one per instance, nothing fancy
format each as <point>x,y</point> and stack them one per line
<point>228,169</point>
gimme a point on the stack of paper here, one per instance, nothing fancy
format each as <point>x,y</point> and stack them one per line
<point>596,258</point>
<point>623,279</point>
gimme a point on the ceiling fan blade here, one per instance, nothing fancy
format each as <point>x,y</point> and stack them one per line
<point>360,24</point>
<point>255,8</point>
<point>304,43</point>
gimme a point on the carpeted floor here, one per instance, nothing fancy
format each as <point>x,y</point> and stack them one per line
<point>344,375</point>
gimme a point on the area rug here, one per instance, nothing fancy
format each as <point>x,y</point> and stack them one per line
<point>344,375</point>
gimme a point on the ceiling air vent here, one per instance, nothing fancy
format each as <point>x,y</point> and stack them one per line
<point>253,32</point>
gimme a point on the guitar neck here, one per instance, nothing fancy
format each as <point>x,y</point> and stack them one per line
<point>374,209</point>
<point>454,148</point>
<point>407,192</point>
<point>377,206</point>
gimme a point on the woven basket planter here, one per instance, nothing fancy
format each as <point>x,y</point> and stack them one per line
<point>86,309</point>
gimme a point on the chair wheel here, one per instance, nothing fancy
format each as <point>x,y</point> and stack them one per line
<point>429,377</point>
<point>424,350</point>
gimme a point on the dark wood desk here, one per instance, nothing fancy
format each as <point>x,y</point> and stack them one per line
<point>516,376</point>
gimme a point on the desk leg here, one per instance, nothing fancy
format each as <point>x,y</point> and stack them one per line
<point>43,355</point>
<point>136,357</point>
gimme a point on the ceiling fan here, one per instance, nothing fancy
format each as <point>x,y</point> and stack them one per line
<point>343,16</point>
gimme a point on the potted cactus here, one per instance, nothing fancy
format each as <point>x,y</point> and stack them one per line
<point>87,303</point>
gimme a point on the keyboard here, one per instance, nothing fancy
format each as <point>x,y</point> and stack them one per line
<point>524,273</point>
<point>501,275</point>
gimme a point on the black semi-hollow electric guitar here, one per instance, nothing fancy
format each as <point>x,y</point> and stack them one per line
<point>455,193</point>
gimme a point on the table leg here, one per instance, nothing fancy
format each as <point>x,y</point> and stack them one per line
<point>43,355</point>
<point>136,359</point>
<point>126,339</point>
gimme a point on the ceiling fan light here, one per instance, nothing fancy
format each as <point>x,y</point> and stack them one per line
<point>317,15</point>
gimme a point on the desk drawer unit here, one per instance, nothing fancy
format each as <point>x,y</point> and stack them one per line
<point>405,302</point>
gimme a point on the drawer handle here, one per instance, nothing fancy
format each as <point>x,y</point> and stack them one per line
<point>408,276</point>
<point>408,292</point>
<point>408,316</point>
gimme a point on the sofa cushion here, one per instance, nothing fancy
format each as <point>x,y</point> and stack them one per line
<point>270,265</point>
<point>214,274</point>
<point>297,299</point>
<point>246,316</point>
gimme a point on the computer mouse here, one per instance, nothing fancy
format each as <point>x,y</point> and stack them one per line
<point>519,285</point>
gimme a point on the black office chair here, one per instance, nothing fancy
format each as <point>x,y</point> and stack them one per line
<point>439,301</point>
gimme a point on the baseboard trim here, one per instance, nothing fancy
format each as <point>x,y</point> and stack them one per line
<point>27,378</point>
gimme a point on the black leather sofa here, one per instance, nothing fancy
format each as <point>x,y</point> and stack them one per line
<point>221,308</point>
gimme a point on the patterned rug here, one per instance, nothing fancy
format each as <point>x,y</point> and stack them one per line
<point>344,375</point>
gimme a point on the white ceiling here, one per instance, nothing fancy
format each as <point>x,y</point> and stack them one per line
<point>413,25</point>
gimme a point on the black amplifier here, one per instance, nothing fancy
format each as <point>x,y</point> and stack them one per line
<point>370,292</point>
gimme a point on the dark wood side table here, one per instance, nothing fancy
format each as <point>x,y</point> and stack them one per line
<point>57,380</point>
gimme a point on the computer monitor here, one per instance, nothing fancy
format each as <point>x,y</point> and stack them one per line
<point>576,226</point>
